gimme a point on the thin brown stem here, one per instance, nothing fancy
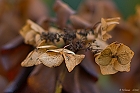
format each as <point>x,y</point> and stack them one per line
<point>60,80</point>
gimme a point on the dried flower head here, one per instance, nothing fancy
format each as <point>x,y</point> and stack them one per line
<point>115,57</point>
<point>52,57</point>
<point>31,33</point>
<point>55,57</point>
<point>105,26</point>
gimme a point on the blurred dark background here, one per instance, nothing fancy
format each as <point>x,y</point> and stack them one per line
<point>13,16</point>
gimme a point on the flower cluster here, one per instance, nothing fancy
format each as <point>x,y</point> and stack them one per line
<point>57,45</point>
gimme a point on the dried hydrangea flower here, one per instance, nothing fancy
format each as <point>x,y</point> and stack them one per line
<point>32,58</point>
<point>52,57</point>
<point>115,57</point>
<point>55,57</point>
<point>31,33</point>
<point>105,26</point>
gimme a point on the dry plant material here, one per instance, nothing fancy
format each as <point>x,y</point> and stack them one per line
<point>30,32</point>
<point>53,58</point>
<point>32,58</point>
<point>105,26</point>
<point>115,57</point>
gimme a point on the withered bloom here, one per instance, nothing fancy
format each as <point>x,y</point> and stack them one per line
<point>115,57</point>
<point>31,33</point>
<point>105,26</point>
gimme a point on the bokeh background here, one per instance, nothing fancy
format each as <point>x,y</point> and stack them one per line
<point>126,8</point>
<point>14,13</point>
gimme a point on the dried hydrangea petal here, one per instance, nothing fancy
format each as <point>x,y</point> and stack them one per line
<point>51,59</point>
<point>29,37</point>
<point>31,59</point>
<point>109,69</point>
<point>112,22</point>
<point>113,47</point>
<point>35,26</point>
<point>104,58</point>
<point>37,39</point>
<point>72,60</point>
<point>106,37</point>
<point>124,54</point>
<point>104,24</point>
<point>121,67</point>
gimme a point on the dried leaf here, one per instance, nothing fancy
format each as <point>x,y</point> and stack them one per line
<point>42,80</point>
<point>72,60</point>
